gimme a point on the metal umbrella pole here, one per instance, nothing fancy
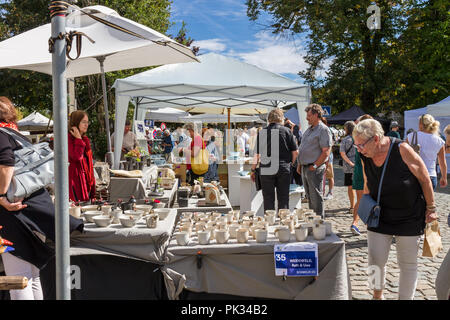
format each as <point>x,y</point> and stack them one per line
<point>109,155</point>
<point>62,231</point>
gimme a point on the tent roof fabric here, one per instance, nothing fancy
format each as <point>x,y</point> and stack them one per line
<point>440,109</point>
<point>221,118</point>
<point>167,115</point>
<point>217,84</point>
<point>34,122</point>
<point>348,115</point>
<point>122,50</point>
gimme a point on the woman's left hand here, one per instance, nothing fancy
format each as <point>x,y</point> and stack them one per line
<point>430,216</point>
<point>16,206</point>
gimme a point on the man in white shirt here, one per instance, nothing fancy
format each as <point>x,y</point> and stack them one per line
<point>130,141</point>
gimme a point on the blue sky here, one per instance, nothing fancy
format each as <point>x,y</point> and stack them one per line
<point>222,26</point>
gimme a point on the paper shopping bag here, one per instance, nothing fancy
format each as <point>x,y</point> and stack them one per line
<point>432,243</point>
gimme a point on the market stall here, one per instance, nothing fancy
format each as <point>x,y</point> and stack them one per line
<point>118,262</point>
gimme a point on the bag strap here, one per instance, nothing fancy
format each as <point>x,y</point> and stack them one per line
<point>414,142</point>
<point>23,141</point>
<point>384,170</point>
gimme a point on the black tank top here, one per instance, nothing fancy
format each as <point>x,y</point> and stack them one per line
<point>402,202</point>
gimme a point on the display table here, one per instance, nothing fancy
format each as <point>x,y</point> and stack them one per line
<point>234,166</point>
<point>124,188</point>
<point>119,263</point>
<point>247,270</point>
<point>193,207</point>
<point>250,199</point>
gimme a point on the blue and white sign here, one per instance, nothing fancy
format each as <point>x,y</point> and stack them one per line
<point>327,111</point>
<point>149,123</point>
<point>298,259</point>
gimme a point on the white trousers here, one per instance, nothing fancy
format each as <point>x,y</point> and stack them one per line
<point>17,267</point>
<point>407,249</point>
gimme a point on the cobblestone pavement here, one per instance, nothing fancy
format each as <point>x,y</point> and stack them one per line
<point>337,211</point>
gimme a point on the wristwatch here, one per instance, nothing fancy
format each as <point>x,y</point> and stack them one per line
<point>3,195</point>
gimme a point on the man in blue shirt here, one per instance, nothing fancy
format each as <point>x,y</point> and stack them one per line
<point>167,144</point>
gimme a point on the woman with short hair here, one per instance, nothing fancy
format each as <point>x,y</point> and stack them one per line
<point>406,201</point>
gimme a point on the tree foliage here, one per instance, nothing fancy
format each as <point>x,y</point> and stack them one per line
<point>402,65</point>
<point>33,91</point>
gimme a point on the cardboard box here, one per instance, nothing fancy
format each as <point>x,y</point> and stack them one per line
<point>180,172</point>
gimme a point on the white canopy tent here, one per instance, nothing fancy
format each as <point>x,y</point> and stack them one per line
<point>221,118</point>
<point>412,122</point>
<point>218,85</point>
<point>440,109</point>
<point>35,122</point>
<point>167,115</point>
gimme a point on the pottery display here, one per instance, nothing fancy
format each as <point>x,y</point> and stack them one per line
<point>182,238</point>
<point>319,231</point>
<point>88,215</point>
<point>127,221</point>
<point>102,221</point>
<point>301,232</point>
<point>283,233</point>
<point>242,235</point>
<point>162,213</point>
<point>260,235</point>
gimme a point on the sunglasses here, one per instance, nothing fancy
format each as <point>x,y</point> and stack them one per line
<point>362,145</point>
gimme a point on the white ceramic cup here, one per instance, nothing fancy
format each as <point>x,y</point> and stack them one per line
<point>283,213</point>
<point>233,230</point>
<point>242,235</point>
<point>261,235</point>
<point>222,236</point>
<point>152,220</point>
<point>270,213</point>
<point>271,219</point>
<point>182,238</point>
<point>203,237</point>
<point>319,231</point>
<point>106,209</point>
<point>75,212</point>
<point>115,215</point>
<point>187,229</point>
<point>301,233</point>
<point>283,233</point>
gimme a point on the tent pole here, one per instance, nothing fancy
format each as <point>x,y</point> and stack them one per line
<point>109,155</point>
<point>61,163</point>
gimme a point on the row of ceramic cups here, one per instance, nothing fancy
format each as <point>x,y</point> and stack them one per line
<point>228,226</point>
<point>127,219</point>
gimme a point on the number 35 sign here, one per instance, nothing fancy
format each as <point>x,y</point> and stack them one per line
<point>297,259</point>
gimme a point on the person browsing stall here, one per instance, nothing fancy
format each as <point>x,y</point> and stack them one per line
<point>81,163</point>
<point>313,153</point>
<point>129,142</point>
<point>275,159</point>
<point>28,223</point>
<point>406,201</point>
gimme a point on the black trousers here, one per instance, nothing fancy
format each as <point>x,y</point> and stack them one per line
<point>280,182</point>
<point>296,178</point>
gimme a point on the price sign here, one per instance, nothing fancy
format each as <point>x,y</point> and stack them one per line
<point>296,259</point>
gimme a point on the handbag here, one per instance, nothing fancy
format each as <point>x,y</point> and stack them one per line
<point>369,210</point>
<point>414,144</point>
<point>200,163</point>
<point>258,184</point>
<point>33,168</point>
<point>432,243</point>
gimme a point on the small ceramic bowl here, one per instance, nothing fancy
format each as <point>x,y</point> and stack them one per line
<point>144,207</point>
<point>127,221</point>
<point>88,215</point>
<point>90,207</point>
<point>102,221</point>
<point>162,213</point>
<point>136,214</point>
